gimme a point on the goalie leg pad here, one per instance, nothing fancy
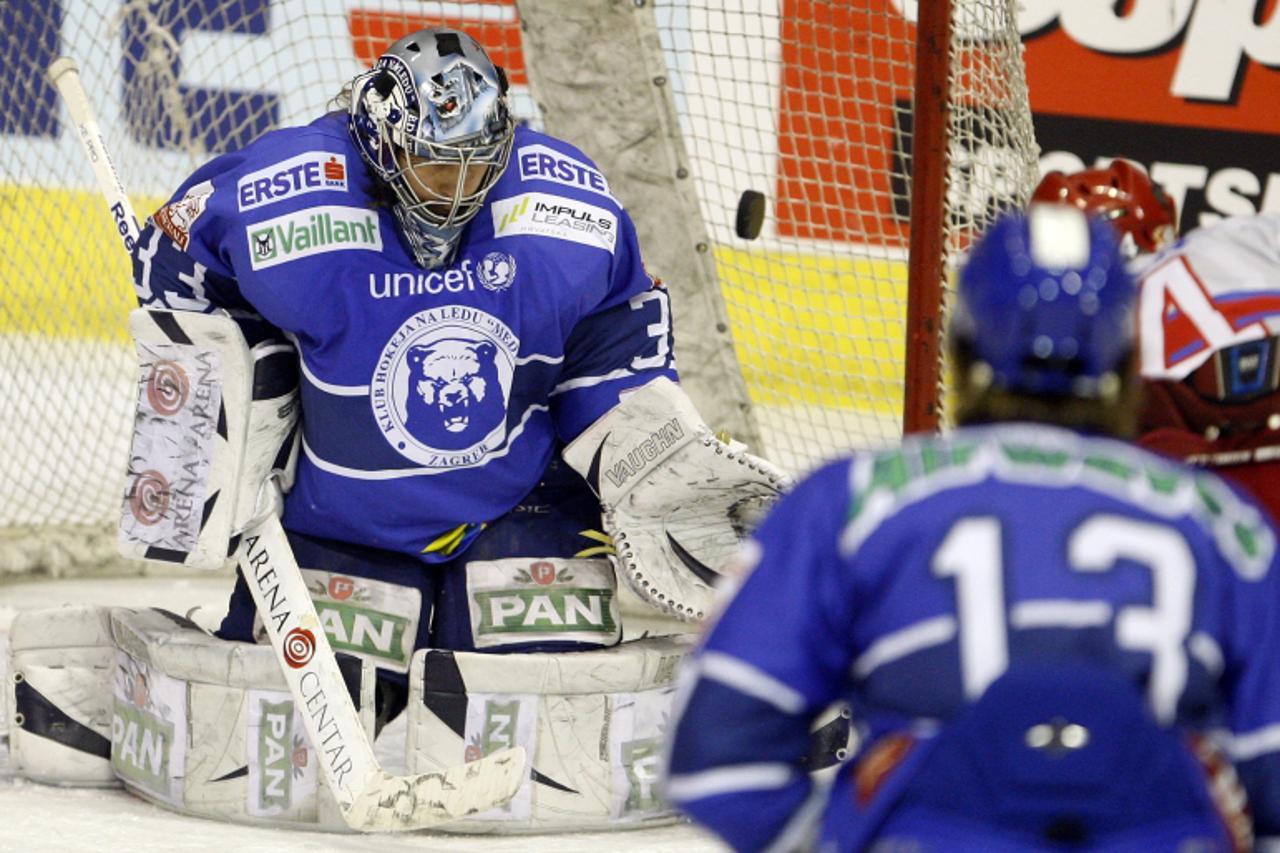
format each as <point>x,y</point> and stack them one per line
<point>60,666</point>
<point>373,604</point>
<point>591,722</point>
<point>196,724</point>
<point>208,727</point>
<point>215,420</point>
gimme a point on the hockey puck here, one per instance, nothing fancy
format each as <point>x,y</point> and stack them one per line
<point>750,216</point>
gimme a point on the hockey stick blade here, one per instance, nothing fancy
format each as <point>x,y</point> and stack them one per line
<point>394,803</point>
<point>370,799</point>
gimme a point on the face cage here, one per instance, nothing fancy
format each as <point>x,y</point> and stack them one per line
<point>461,207</point>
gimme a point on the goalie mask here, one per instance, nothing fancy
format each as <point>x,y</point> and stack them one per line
<point>431,121</point>
<point>1044,305</point>
<point>1123,195</point>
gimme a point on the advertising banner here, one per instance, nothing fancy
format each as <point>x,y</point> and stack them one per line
<point>1187,88</point>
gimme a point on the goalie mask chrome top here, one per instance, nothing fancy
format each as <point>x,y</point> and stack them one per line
<point>434,99</point>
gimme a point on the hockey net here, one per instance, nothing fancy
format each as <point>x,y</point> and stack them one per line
<point>806,102</point>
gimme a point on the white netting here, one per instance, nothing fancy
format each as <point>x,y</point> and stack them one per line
<point>809,102</point>
<point>806,102</point>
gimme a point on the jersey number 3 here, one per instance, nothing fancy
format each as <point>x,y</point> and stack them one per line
<point>972,554</point>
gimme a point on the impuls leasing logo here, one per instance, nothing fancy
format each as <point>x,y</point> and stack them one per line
<point>546,215</point>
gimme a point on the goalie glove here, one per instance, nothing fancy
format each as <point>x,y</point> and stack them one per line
<point>676,500</point>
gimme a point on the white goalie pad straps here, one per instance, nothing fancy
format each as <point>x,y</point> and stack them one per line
<point>592,723</point>
<point>677,501</point>
<point>59,696</point>
<point>215,420</point>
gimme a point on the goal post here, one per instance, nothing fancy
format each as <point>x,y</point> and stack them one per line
<point>808,331</point>
<point>922,359</point>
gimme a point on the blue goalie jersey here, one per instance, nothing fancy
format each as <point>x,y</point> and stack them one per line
<point>907,582</point>
<point>432,400</point>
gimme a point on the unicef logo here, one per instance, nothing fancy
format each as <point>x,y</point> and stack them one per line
<point>497,271</point>
<point>440,389</point>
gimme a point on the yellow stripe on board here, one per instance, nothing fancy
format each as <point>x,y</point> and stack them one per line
<point>814,329</point>
<point>809,329</point>
<point>63,270</point>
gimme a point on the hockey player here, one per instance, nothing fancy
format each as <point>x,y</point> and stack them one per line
<point>1209,323</point>
<point>1124,195</point>
<point>479,348</point>
<point>1209,318</point>
<point>1038,626</point>
<point>466,296</point>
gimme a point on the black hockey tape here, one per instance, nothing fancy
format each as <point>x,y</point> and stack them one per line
<point>750,216</point>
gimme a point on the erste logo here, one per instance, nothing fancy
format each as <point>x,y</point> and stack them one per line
<point>306,173</point>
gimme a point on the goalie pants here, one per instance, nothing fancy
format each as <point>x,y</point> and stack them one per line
<point>385,605</point>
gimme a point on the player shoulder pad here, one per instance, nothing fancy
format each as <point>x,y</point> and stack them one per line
<point>543,162</point>
<point>303,164</point>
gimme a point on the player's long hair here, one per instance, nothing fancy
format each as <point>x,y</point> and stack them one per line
<point>341,102</point>
<point>1113,412</point>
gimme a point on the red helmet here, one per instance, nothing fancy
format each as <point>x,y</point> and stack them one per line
<point>1121,193</point>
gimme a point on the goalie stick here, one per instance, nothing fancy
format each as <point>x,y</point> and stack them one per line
<point>369,798</point>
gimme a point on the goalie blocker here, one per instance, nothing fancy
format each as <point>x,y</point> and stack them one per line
<point>677,500</point>
<point>216,420</point>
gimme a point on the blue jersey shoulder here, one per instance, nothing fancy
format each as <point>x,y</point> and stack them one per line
<point>542,163</point>
<point>290,168</point>
<point>308,164</point>
<point>555,203</point>
<point>283,172</point>
<point>973,460</point>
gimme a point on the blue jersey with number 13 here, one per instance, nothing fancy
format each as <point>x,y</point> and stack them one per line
<point>907,581</point>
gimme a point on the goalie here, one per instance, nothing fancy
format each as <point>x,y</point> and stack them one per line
<point>483,368</point>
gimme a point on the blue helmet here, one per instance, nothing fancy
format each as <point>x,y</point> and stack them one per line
<point>1044,301</point>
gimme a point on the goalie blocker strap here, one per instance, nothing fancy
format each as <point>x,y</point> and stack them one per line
<point>215,420</point>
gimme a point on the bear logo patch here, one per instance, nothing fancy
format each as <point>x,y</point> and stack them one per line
<point>455,397</point>
<point>441,386</point>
